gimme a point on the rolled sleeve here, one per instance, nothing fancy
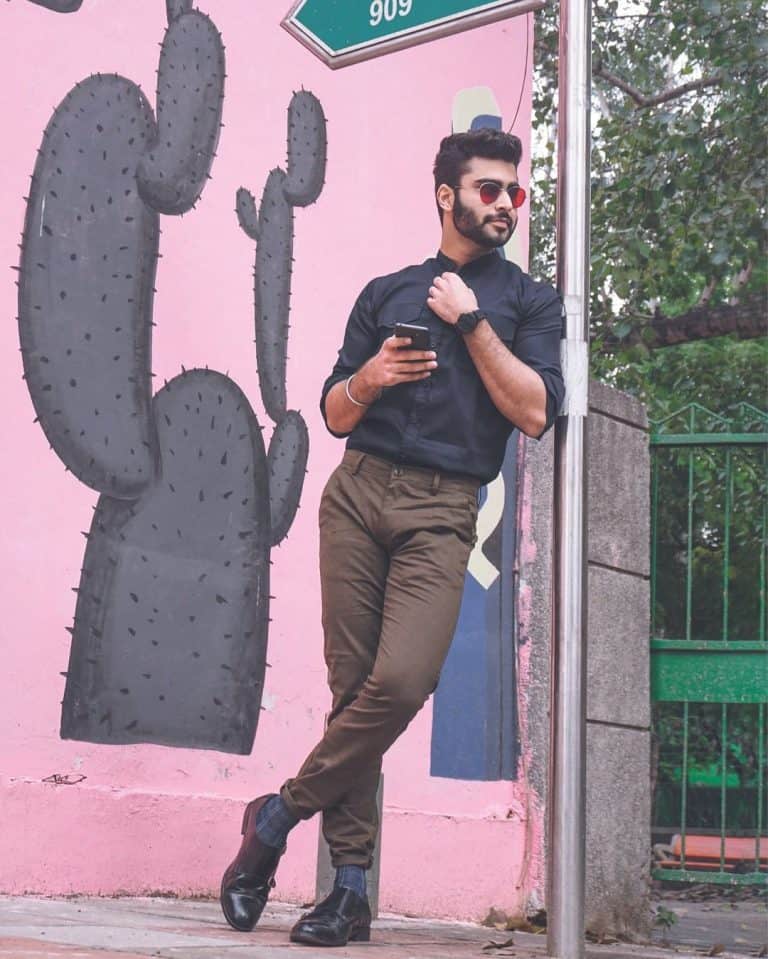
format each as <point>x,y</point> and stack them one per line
<point>360,344</point>
<point>537,341</point>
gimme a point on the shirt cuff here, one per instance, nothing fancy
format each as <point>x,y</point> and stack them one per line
<point>329,384</point>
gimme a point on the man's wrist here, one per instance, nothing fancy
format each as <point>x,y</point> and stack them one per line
<point>467,323</point>
<point>360,390</point>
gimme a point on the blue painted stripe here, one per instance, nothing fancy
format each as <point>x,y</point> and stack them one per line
<point>474,718</point>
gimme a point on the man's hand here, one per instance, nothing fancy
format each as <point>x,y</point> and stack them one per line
<point>393,364</point>
<point>449,297</point>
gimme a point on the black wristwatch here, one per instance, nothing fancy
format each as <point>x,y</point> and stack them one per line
<point>467,322</point>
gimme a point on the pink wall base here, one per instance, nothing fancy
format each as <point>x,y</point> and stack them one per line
<point>64,840</point>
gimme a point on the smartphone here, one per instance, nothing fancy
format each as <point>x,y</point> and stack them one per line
<point>419,335</point>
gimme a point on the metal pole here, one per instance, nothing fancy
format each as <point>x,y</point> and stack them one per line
<point>565,936</point>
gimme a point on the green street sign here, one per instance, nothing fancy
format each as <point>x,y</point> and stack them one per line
<point>341,32</point>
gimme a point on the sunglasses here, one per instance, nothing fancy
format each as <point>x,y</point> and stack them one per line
<point>490,192</point>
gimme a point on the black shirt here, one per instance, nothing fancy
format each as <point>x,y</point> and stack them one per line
<point>448,421</point>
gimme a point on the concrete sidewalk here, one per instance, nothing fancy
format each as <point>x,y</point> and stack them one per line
<point>137,928</point>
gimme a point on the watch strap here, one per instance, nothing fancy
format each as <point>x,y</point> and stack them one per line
<point>467,322</point>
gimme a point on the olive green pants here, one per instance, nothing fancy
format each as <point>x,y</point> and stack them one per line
<point>394,545</point>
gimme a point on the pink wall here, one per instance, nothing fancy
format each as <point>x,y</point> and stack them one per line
<point>151,817</point>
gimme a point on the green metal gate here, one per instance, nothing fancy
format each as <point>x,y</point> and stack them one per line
<point>709,650</point>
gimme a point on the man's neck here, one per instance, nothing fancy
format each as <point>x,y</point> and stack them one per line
<point>461,250</point>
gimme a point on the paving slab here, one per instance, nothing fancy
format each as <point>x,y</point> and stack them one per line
<point>741,927</point>
<point>32,927</point>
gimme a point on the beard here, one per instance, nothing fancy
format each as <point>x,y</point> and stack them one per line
<point>480,230</point>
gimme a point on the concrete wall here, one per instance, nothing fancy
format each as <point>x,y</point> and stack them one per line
<point>618,701</point>
<point>618,690</point>
<point>534,631</point>
<point>125,806</point>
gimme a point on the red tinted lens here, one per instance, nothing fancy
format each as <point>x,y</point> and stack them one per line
<point>489,192</point>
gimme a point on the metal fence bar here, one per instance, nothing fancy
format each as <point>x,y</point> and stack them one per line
<point>689,549</point>
<point>654,535</point>
<point>723,779</point>
<point>763,551</point>
<point>710,645</point>
<point>760,779</point>
<point>688,669</point>
<point>684,786</point>
<point>710,439</point>
<point>727,542</point>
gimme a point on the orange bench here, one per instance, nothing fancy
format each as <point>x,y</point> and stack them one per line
<point>703,853</point>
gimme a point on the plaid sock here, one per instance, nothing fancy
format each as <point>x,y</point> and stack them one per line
<point>352,877</point>
<point>273,822</point>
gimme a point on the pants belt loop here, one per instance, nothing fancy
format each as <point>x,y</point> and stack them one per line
<point>435,483</point>
<point>358,464</point>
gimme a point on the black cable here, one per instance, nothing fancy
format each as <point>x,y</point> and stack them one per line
<point>525,71</point>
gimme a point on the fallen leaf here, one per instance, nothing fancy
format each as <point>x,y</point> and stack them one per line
<point>495,946</point>
<point>524,925</point>
<point>496,919</point>
<point>602,938</point>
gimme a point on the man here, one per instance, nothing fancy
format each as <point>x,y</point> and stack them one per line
<point>425,428</point>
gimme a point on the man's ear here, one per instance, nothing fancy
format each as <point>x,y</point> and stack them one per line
<point>445,197</point>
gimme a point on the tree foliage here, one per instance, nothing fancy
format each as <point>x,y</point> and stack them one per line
<point>679,172</point>
<point>678,256</point>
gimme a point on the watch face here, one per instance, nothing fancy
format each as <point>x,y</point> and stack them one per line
<point>468,321</point>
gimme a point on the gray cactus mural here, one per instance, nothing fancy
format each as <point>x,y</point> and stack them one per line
<point>60,6</point>
<point>78,317</point>
<point>170,631</point>
<point>272,228</point>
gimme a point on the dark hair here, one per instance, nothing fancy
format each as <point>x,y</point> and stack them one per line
<point>456,151</point>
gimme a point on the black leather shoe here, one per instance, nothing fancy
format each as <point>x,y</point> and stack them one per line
<point>246,883</point>
<point>340,918</point>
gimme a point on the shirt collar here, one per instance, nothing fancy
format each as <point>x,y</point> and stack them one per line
<point>479,263</point>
